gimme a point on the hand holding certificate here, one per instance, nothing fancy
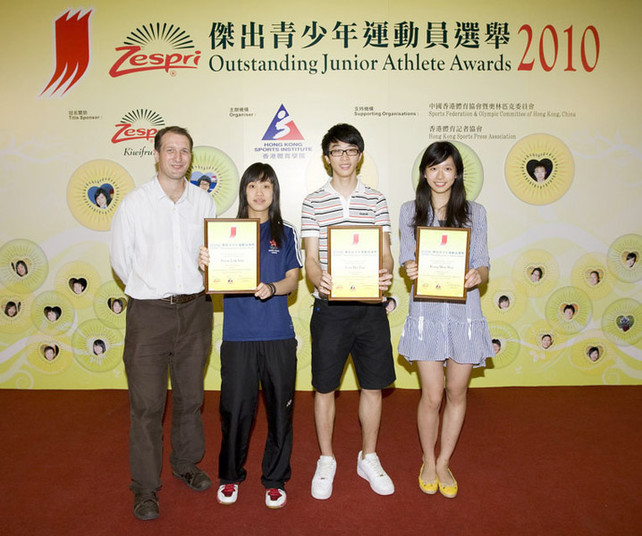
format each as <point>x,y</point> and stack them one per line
<point>442,262</point>
<point>354,262</point>
<point>233,246</point>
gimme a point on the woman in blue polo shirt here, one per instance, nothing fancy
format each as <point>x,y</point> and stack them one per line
<point>259,346</point>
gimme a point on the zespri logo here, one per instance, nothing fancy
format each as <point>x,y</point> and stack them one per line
<point>156,47</point>
<point>138,125</point>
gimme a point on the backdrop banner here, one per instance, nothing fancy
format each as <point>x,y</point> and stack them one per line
<point>542,100</point>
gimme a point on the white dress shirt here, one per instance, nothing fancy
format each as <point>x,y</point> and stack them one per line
<point>154,241</point>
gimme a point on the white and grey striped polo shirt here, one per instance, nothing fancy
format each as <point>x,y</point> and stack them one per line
<point>326,207</point>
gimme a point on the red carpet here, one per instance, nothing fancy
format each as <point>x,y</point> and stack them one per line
<point>530,461</point>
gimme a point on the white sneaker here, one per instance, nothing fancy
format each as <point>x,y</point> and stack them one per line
<point>370,469</point>
<point>275,498</point>
<point>323,477</point>
<point>227,493</point>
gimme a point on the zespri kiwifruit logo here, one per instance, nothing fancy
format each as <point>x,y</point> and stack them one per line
<point>95,190</point>
<point>623,258</point>
<point>23,266</point>
<point>539,169</point>
<point>215,172</point>
<point>140,124</point>
<point>156,46</point>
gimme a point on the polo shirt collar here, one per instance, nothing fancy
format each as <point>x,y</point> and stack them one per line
<point>358,189</point>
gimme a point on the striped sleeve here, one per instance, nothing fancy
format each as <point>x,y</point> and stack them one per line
<point>309,222</point>
<point>294,256</point>
<point>478,241</point>
<point>382,215</point>
<point>407,232</point>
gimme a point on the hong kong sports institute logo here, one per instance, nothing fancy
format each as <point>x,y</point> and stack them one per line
<point>282,127</point>
<point>156,47</point>
<point>71,34</point>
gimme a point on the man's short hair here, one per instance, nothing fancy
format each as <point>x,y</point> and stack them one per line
<point>342,132</point>
<point>174,130</point>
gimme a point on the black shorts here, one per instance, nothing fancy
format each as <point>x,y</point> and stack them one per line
<point>342,328</point>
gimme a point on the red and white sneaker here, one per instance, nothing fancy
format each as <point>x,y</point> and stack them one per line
<point>275,498</point>
<point>227,493</point>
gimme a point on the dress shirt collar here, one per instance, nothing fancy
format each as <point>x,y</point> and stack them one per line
<point>160,193</point>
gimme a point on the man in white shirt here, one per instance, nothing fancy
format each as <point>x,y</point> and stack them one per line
<point>156,233</point>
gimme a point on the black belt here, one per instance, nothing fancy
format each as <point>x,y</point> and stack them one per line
<point>183,298</point>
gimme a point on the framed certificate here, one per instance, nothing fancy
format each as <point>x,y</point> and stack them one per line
<point>234,246</point>
<point>354,261</point>
<point>442,263</point>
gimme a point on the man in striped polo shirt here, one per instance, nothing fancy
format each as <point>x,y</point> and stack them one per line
<point>339,329</point>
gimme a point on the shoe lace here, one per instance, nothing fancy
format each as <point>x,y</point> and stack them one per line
<point>324,469</point>
<point>375,464</point>
<point>147,500</point>
<point>228,490</point>
<point>274,494</point>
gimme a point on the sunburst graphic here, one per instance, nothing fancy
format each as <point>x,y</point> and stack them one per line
<point>624,258</point>
<point>97,347</point>
<point>622,322</point>
<point>539,150</point>
<point>110,305</point>
<point>473,170</point>
<point>52,313</point>
<point>219,168</point>
<point>78,281</point>
<point>538,270</point>
<point>143,116</point>
<point>15,313</point>
<point>23,265</point>
<point>545,344</point>
<point>590,275</point>
<point>49,355</point>
<point>168,33</point>
<point>88,183</point>
<point>569,309</point>
<point>592,354</point>
<point>505,300</point>
<point>507,340</point>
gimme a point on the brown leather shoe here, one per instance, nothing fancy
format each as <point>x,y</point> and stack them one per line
<point>145,506</point>
<point>194,478</point>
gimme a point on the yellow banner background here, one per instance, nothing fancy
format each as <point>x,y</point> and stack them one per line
<point>57,148</point>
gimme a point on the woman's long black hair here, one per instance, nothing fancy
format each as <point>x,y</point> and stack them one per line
<point>263,172</point>
<point>457,211</point>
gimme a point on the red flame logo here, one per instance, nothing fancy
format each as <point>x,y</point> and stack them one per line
<point>72,51</point>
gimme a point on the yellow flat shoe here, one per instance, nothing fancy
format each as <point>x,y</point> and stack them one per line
<point>427,487</point>
<point>449,490</point>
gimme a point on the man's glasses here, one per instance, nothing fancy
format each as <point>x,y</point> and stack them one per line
<point>338,153</point>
